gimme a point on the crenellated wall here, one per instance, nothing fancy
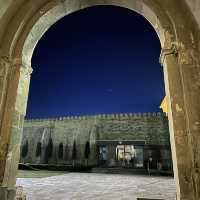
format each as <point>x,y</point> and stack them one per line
<point>150,127</point>
<point>101,116</point>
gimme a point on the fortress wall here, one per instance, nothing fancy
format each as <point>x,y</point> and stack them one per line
<point>151,127</point>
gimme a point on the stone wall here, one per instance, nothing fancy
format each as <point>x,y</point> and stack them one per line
<point>150,127</point>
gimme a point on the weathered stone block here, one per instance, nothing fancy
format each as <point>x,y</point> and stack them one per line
<point>7,194</point>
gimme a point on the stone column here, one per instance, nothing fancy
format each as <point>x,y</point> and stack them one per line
<point>182,110</point>
<point>188,60</point>
<point>14,79</point>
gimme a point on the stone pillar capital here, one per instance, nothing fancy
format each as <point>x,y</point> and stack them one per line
<point>4,65</point>
<point>26,70</point>
<point>4,59</point>
<point>16,64</point>
<point>166,52</point>
<point>186,54</point>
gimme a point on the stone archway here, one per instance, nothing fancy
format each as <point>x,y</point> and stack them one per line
<point>22,25</point>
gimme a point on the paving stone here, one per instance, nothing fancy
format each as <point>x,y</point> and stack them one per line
<point>91,186</point>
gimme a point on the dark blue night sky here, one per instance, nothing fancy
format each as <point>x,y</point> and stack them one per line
<point>99,60</point>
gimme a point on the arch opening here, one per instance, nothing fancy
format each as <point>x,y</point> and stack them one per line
<point>63,9</point>
<point>130,149</point>
<point>179,36</point>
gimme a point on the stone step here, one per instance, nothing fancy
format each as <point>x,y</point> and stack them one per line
<point>118,170</point>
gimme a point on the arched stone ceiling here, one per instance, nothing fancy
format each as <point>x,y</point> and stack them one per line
<point>66,7</point>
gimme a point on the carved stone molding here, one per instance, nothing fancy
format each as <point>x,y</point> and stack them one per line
<point>4,70</point>
<point>188,56</point>
<point>166,52</point>
<point>13,70</point>
<point>169,38</point>
<point>26,70</point>
<point>185,55</point>
<point>4,64</point>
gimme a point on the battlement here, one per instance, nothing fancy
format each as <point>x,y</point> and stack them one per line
<point>102,117</point>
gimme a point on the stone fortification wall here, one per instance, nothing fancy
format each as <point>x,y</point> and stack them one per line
<point>151,127</point>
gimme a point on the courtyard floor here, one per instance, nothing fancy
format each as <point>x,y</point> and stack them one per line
<point>91,186</point>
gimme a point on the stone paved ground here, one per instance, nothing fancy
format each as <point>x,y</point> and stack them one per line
<point>90,186</point>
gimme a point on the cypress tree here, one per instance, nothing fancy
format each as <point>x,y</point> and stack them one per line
<point>87,151</point>
<point>49,150</point>
<point>38,149</point>
<point>66,152</point>
<point>25,149</point>
<point>60,151</point>
<point>74,153</point>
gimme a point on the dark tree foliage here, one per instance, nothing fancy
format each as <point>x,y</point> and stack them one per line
<point>25,149</point>
<point>49,150</point>
<point>87,150</point>
<point>66,152</point>
<point>74,151</point>
<point>38,149</point>
<point>158,155</point>
<point>60,151</point>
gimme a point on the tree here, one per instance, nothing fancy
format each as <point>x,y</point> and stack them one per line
<point>25,149</point>
<point>60,151</point>
<point>74,153</point>
<point>87,151</point>
<point>66,152</point>
<point>38,149</point>
<point>49,150</point>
